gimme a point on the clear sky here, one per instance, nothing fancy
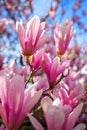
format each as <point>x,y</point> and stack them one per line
<point>42,6</point>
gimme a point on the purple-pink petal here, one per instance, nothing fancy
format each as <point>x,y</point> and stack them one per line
<point>72,118</point>
<point>35,123</point>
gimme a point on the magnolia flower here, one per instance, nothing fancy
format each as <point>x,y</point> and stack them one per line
<point>16,101</point>
<point>18,70</point>
<point>13,69</point>
<point>42,82</point>
<point>57,116</point>
<point>32,36</point>
<point>37,59</point>
<point>50,48</point>
<point>62,36</point>
<point>69,92</point>
<point>53,68</point>
<point>73,51</point>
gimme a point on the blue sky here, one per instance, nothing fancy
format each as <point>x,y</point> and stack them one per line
<point>42,6</point>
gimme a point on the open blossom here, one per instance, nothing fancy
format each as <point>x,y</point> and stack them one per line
<point>32,36</point>
<point>18,70</point>
<point>62,36</point>
<point>16,101</point>
<point>13,69</point>
<point>37,59</point>
<point>69,92</point>
<point>57,116</point>
<point>53,68</point>
<point>42,82</point>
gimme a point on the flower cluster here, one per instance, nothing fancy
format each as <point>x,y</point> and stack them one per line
<point>49,91</point>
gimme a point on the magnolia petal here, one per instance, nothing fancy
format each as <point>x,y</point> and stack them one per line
<point>62,36</point>
<point>3,115</point>
<point>77,92</point>
<point>55,118</point>
<point>54,115</point>
<point>80,126</point>
<point>47,65</point>
<point>20,30</point>
<point>63,66</point>
<point>28,105</point>
<point>37,60</point>
<point>15,98</point>
<point>29,93</point>
<point>53,72</point>
<point>42,40</point>
<point>67,109</point>
<point>16,93</point>
<point>35,123</point>
<point>72,118</point>
<point>4,85</point>
<point>33,101</point>
<point>64,96</point>
<point>34,25</point>
<point>46,103</point>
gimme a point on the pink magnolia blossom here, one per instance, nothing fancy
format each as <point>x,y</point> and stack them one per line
<point>32,36</point>
<point>73,51</point>
<point>42,82</point>
<point>62,36</point>
<point>13,69</point>
<point>37,59</point>
<point>16,101</point>
<point>53,68</point>
<point>18,70</point>
<point>57,116</point>
<point>50,48</point>
<point>69,92</point>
